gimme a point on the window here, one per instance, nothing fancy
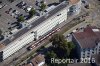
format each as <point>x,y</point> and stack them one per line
<point>88,53</point>
<point>88,56</point>
<point>83,57</point>
<point>58,14</point>
<point>99,52</point>
<point>93,52</point>
<point>83,50</point>
<point>96,48</point>
<point>93,49</point>
<point>83,54</point>
<point>88,49</point>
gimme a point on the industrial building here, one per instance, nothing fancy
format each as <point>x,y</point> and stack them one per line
<point>39,27</point>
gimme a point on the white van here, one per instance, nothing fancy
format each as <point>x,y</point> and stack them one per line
<point>28,8</point>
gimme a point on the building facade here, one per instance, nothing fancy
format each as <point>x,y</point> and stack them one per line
<point>39,27</point>
<point>87,42</point>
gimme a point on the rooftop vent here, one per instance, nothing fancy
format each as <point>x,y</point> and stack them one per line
<point>95,30</point>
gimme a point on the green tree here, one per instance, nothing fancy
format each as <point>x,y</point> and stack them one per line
<point>21,19</point>
<point>60,49</point>
<point>49,55</point>
<point>43,6</point>
<point>32,12</point>
<point>61,45</point>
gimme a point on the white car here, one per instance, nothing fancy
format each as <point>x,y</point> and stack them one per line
<point>28,8</point>
<point>17,12</point>
<point>12,14</point>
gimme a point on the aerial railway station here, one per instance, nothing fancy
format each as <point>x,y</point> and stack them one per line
<point>39,27</point>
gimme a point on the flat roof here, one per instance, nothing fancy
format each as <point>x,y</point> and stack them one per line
<point>36,23</point>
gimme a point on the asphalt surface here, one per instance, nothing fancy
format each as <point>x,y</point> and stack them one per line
<point>7,18</point>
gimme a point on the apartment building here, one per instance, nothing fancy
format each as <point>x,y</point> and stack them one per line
<point>87,41</point>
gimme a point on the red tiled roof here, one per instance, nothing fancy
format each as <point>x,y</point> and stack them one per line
<point>88,37</point>
<point>74,1</point>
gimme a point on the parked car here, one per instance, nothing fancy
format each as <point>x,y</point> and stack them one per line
<point>22,4</point>
<point>10,10</point>
<point>12,14</point>
<point>28,8</point>
<point>19,26</point>
<point>7,12</point>
<point>16,12</point>
<point>1,37</point>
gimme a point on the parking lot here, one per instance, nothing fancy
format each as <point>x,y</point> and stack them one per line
<point>10,12</point>
<point>7,12</point>
<point>7,18</point>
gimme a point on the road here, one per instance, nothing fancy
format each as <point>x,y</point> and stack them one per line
<point>7,18</point>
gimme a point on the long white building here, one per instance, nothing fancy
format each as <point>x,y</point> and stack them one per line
<point>39,27</point>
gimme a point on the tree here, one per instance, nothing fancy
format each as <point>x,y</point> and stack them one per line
<point>21,18</point>
<point>62,47</point>
<point>49,55</point>
<point>43,6</point>
<point>32,12</point>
